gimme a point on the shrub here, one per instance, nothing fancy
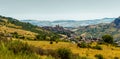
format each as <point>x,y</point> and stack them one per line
<point>40,37</point>
<point>64,53</point>
<point>97,47</point>
<point>51,42</point>
<point>15,34</point>
<point>99,56</point>
<point>107,39</point>
<point>116,57</point>
<point>56,41</point>
<point>83,45</point>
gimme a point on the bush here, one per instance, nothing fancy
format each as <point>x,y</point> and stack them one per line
<point>64,53</point>
<point>56,41</point>
<point>107,39</point>
<point>15,34</point>
<point>51,42</point>
<point>97,47</point>
<point>41,37</point>
<point>116,57</point>
<point>83,45</point>
<point>99,56</point>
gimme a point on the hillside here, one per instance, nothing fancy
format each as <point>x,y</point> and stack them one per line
<point>101,29</point>
<point>11,25</point>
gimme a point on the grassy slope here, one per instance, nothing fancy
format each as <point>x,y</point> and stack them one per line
<point>11,25</point>
<point>109,52</point>
<point>19,31</point>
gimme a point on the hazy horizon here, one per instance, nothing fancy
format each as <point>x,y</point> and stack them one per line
<point>50,10</point>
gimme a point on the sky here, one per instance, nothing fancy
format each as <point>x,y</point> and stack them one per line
<point>60,9</point>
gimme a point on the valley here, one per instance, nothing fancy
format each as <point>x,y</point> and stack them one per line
<point>28,41</point>
<point>59,29</point>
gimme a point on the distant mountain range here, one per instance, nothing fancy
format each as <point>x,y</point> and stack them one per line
<point>70,23</point>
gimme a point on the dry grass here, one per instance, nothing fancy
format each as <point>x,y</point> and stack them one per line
<point>109,52</point>
<point>19,31</point>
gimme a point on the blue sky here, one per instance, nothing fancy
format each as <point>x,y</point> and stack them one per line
<point>60,9</point>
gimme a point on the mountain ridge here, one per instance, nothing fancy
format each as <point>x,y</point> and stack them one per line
<point>69,23</point>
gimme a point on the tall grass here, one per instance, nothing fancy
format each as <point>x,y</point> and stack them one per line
<point>7,53</point>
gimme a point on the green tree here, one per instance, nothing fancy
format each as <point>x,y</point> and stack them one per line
<point>107,39</point>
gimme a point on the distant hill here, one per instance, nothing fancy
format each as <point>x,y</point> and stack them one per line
<point>98,30</point>
<point>69,23</point>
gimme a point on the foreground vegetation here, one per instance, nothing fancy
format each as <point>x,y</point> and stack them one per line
<point>108,51</point>
<point>15,50</point>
